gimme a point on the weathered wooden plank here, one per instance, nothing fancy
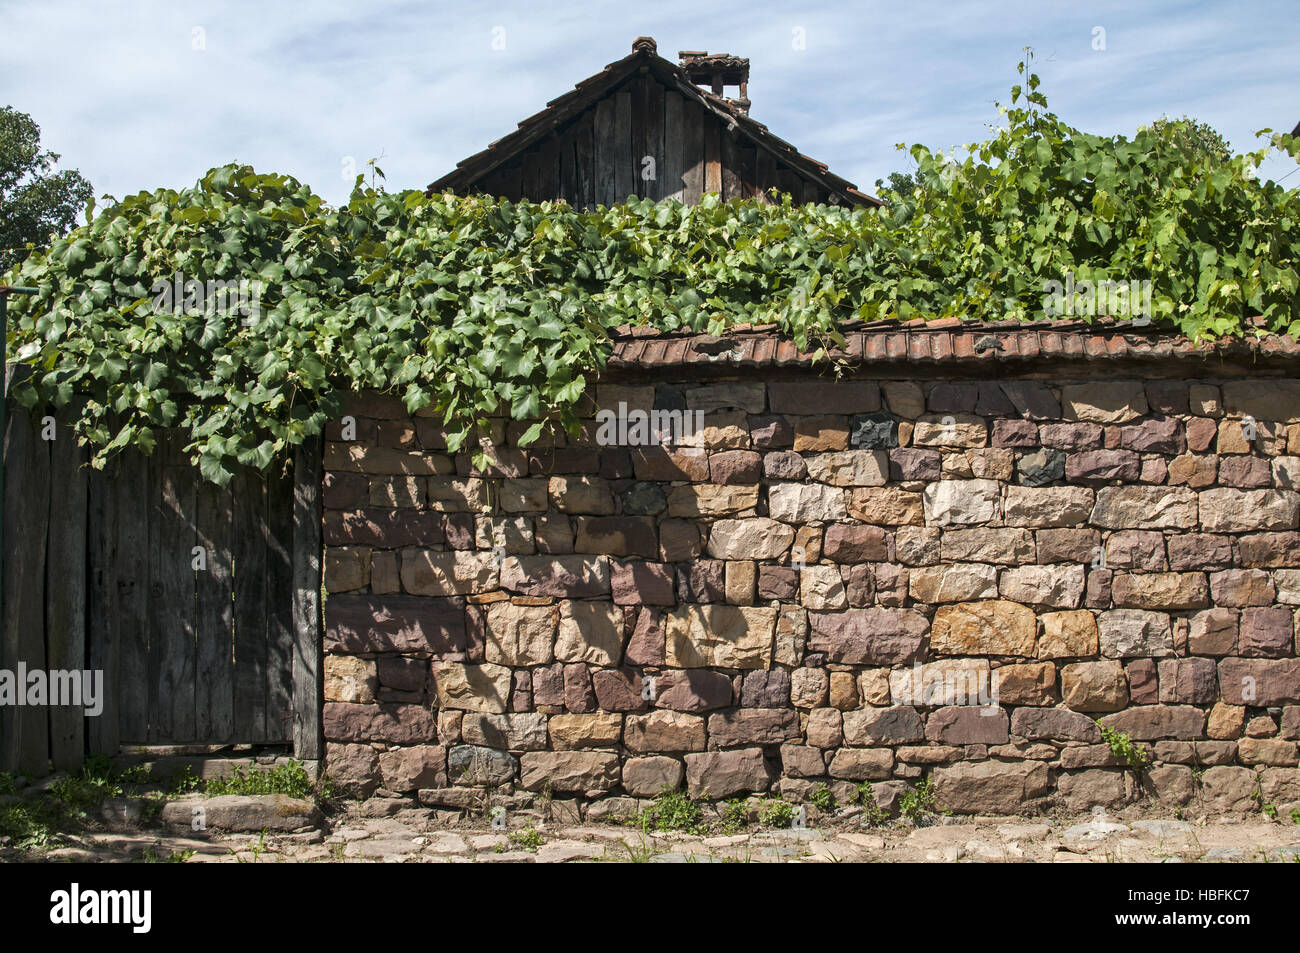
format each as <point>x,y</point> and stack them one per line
<point>24,744</point>
<point>490,184</point>
<point>712,155</point>
<point>812,192</point>
<point>65,590</point>
<point>584,155</point>
<point>279,606</point>
<point>732,188</point>
<point>214,714</point>
<point>567,171</point>
<point>790,183</point>
<point>765,175</point>
<point>510,186</point>
<point>528,175</point>
<point>673,167</point>
<point>172,647</point>
<point>536,175</point>
<point>102,614</point>
<point>748,184</point>
<point>548,171</point>
<point>640,91</point>
<point>135,521</point>
<point>692,153</point>
<point>652,138</point>
<point>624,167</point>
<point>248,494</point>
<point>153,624</point>
<point>606,157</point>
<point>308,744</point>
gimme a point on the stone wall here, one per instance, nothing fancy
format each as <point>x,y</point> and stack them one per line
<point>833,582</point>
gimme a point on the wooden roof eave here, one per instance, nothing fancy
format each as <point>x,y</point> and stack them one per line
<point>539,125</point>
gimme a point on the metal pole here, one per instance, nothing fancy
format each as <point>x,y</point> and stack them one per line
<point>5,291</point>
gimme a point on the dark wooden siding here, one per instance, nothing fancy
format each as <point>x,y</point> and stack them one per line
<point>101,573</point>
<point>600,156</point>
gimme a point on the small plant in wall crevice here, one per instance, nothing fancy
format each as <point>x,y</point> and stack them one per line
<point>1122,747</point>
<point>822,798</point>
<point>917,804</point>
<point>872,814</point>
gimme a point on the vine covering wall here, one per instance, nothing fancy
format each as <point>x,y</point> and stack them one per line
<point>477,307</point>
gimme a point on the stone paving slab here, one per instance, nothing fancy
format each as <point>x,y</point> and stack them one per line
<point>353,834</point>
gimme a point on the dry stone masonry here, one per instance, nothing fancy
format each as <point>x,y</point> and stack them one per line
<point>828,582</point>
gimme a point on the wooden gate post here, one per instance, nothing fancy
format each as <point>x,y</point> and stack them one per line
<point>307,630</point>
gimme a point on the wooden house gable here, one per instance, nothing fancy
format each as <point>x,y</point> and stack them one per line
<point>643,128</point>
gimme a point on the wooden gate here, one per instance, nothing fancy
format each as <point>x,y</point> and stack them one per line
<point>199,604</point>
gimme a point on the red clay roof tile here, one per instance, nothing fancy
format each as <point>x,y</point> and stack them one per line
<point>948,341</point>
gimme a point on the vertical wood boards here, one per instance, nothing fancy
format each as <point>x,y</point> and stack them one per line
<point>102,617</point>
<point>673,168</point>
<point>747,159</point>
<point>103,574</point>
<point>624,169</point>
<point>765,174</point>
<point>584,158</point>
<point>652,143</point>
<point>214,702</point>
<point>712,155</point>
<point>131,570</point>
<point>693,119</point>
<point>529,186</point>
<point>25,737</point>
<point>545,174</point>
<point>640,135</point>
<point>606,159</point>
<point>248,521</point>
<point>307,628</point>
<point>731,182</point>
<point>565,167</point>
<point>65,592</point>
<point>172,645</point>
<point>790,184</point>
<point>510,182</point>
<point>279,606</point>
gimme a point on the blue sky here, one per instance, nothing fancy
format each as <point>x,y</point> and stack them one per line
<point>147,94</point>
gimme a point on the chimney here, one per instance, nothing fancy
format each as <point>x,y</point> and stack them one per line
<point>717,71</point>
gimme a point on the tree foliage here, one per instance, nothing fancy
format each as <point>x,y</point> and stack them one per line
<point>1196,137</point>
<point>899,185</point>
<point>35,201</point>
<point>477,306</point>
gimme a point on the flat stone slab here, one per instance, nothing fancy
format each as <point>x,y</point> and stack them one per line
<point>382,848</point>
<point>1094,830</point>
<point>560,851</point>
<point>1164,828</point>
<point>247,813</point>
<point>1223,855</point>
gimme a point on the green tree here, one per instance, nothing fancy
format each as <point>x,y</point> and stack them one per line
<point>899,185</point>
<point>1196,138</point>
<point>35,200</point>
